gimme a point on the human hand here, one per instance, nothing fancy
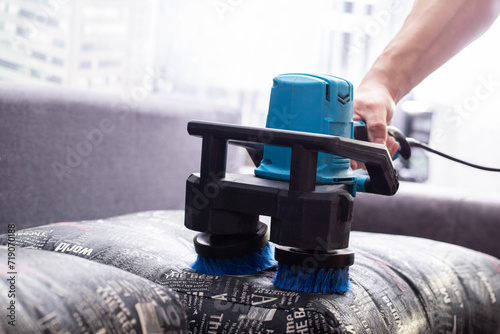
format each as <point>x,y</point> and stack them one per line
<point>374,105</point>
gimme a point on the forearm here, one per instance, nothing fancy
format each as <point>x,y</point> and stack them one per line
<point>434,32</point>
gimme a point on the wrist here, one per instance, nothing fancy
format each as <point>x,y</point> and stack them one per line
<point>392,73</point>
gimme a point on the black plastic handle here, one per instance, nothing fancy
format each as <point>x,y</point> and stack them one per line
<point>361,133</point>
<point>305,147</point>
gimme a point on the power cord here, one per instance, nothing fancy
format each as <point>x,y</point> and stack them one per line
<point>415,143</point>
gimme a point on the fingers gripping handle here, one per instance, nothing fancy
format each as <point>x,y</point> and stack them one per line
<point>305,147</point>
<point>361,133</point>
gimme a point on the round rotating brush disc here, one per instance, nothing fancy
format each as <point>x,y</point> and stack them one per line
<point>233,254</point>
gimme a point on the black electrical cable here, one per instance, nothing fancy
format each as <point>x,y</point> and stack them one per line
<point>416,143</point>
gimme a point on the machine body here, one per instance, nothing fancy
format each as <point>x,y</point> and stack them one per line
<point>314,104</point>
<point>304,181</point>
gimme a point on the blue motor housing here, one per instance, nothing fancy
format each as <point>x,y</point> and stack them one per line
<point>310,103</point>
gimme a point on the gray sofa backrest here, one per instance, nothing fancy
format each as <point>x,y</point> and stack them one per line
<point>458,216</point>
<point>72,155</point>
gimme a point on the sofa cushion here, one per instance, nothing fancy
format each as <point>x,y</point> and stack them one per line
<point>399,284</point>
<point>45,292</point>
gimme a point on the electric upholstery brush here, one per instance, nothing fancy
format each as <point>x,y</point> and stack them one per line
<point>303,182</point>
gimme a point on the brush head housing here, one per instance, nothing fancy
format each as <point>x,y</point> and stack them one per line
<point>221,246</point>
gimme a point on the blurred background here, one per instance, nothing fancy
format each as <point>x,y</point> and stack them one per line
<point>228,51</point>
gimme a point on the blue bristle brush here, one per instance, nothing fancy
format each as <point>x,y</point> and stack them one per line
<point>233,254</point>
<point>318,280</point>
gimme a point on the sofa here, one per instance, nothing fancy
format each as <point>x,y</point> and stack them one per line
<point>100,178</point>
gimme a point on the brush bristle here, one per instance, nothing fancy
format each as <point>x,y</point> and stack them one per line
<point>247,264</point>
<point>322,280</point>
